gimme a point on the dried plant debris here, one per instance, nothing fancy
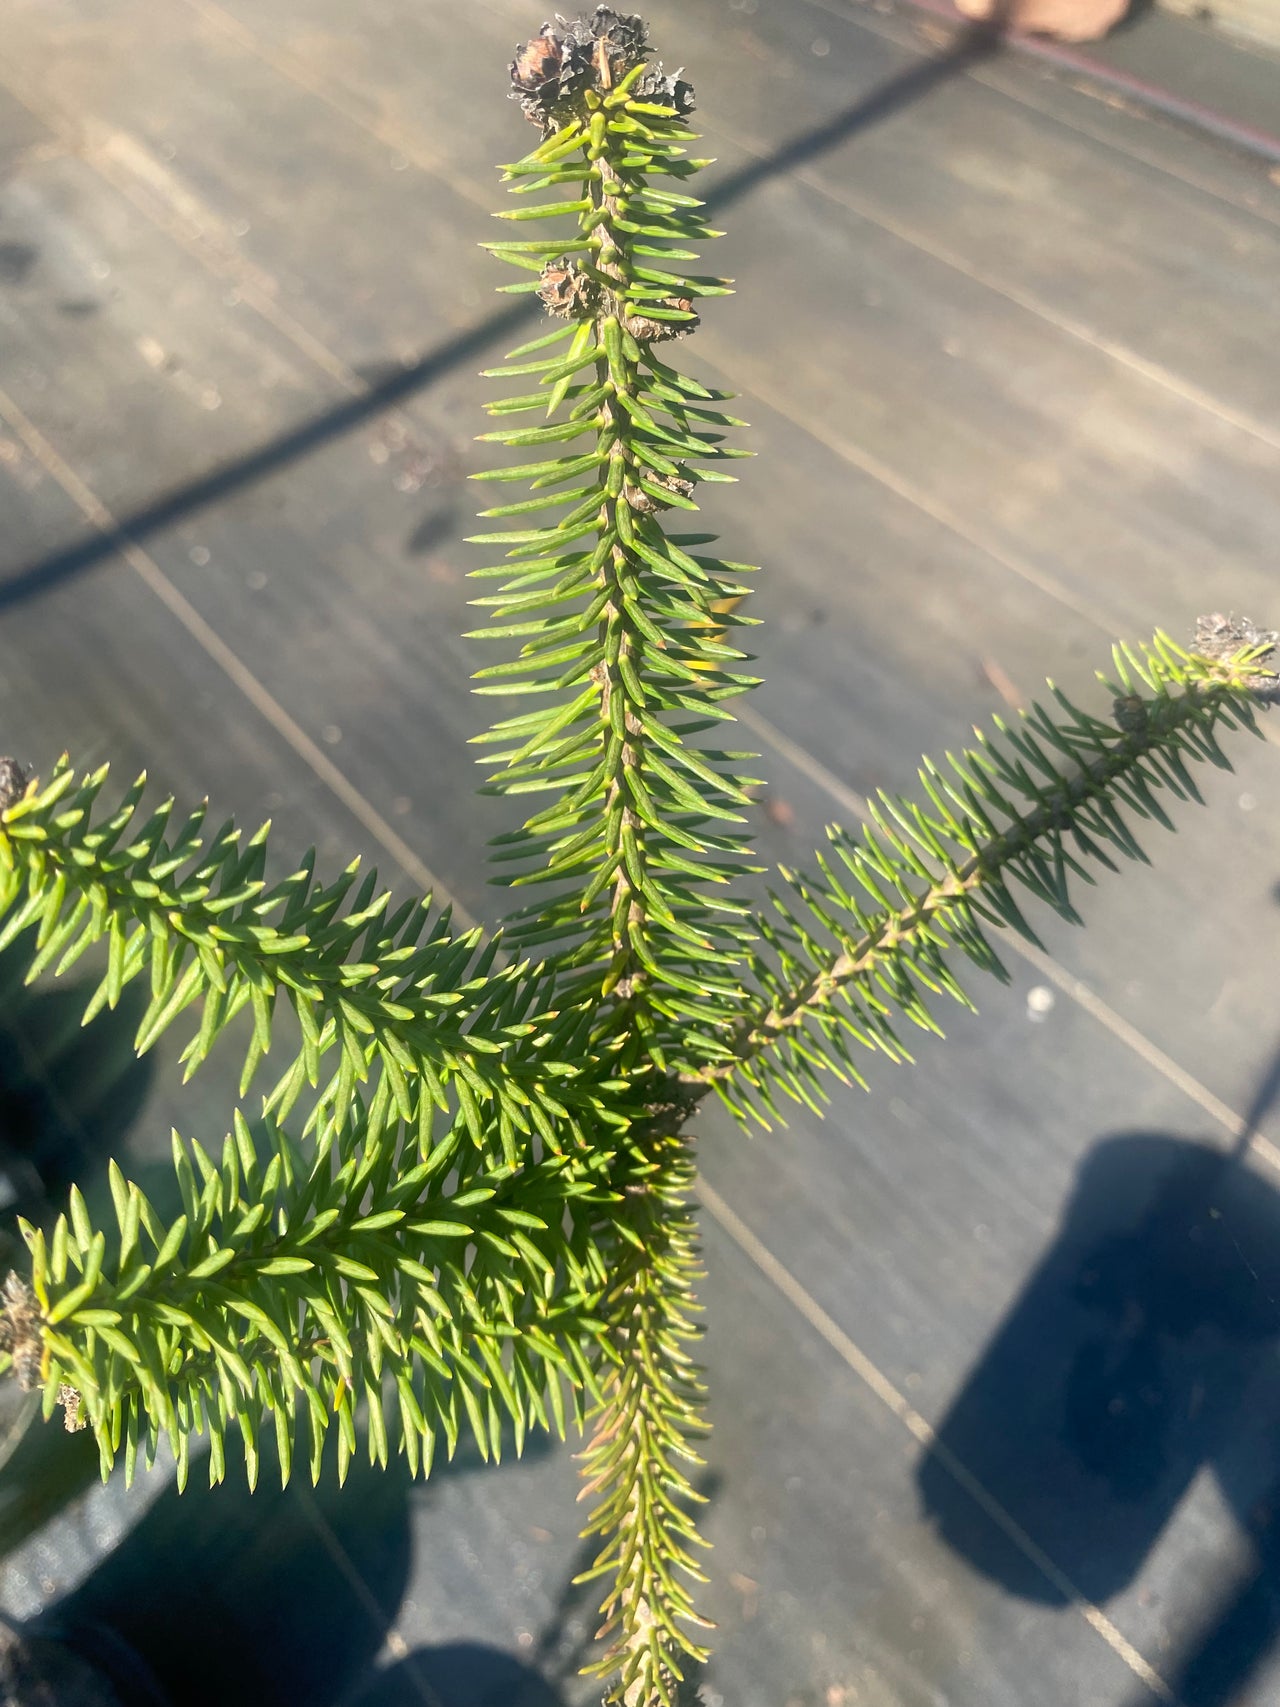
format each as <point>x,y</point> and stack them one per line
<point>20,1335</point>
<point>550,73</point>
<point>13,783</point>
<point>662,89</point>
<point>73,1419</point>
<point>647,329</point>
<point>647,499</point>
<point>1225,637</point>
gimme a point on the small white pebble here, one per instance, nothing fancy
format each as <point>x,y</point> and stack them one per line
<point>981,1233</point>
<point>1247,803</point>
<point>100,270</point>
<point>1040,1000</point>
<point>525,1638</point>
<point>211,398</point>
<point>332,734</point>
<point>199,555</point>
<point>241,228</point>
<point>255,580</point>
<point>820,48</point>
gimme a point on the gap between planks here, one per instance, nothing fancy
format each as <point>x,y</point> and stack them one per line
<point>922,1431</point>
<point>215,647</point>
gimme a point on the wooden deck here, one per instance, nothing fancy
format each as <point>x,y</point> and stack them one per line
<point>993,1350</point>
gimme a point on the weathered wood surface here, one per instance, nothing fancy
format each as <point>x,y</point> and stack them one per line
<point>1010,354</point>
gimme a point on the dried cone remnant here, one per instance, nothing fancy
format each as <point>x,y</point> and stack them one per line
<point>550,73</point>
<point>1130,713</point>
<point>666,90</point>
<point>542,78</point>
<point>566,291</point>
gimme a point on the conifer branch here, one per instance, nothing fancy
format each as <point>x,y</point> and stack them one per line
<point>393,996</point>
<point>643,1429</point>
<point>632,658</point>
<point>1034,804</point>
<point>305,1286</point>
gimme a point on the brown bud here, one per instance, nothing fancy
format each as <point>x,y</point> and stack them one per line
<point>566,291</point>
<point>1130,714</point>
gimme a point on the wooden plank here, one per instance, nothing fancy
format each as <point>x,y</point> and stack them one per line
<point>1126,257</point>
<point>907,356</point>
<point>1078,103</point>
<point>245,192</point>
<point>147,323</point>
<point>102,670</point>
<point>1007,190</point>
